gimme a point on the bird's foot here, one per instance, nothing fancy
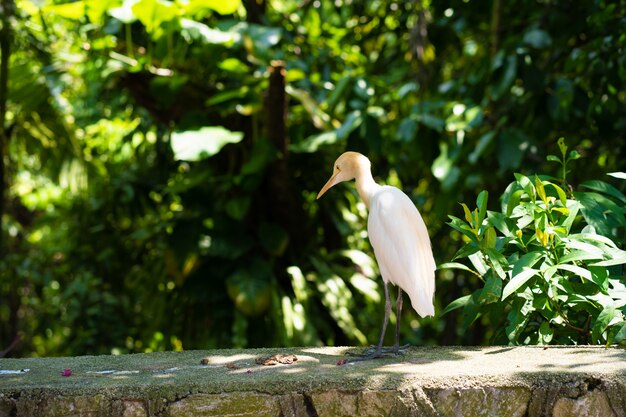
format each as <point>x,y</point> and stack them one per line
<point>375,352</point>
<point>396,350</point>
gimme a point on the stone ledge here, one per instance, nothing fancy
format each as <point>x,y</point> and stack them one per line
<point>456,381</point>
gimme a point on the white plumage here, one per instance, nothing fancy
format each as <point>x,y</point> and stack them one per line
<point>399,238</point>
<point>402,247</point>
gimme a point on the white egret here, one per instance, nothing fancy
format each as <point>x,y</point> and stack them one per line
<point>399,238</point>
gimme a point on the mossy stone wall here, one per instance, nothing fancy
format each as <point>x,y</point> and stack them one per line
<point>468,382</point>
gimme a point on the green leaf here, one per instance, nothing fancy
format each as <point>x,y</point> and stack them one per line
<point>234,95</point>
<point>581,243</point>
<point>541,191</point>
<point>264,37</point>
<point>537,38</point>
<point>564,211</point>
<point>518,318</point>
<point>562,146</point>
<point>526,184</point>
<point>235,66</point>
<point>237,208</point>
<point>499,262</point>
<point>352,121</point>
<point>362,261</point>
<point>97,8</point>
<point>508,76</point>
<point>407,130</point>
<point>579,255</point>
<point>366,286</point>
<point>463,228</point>
<point>153,13</point>
<point>409,87</point>
<point>295,74</point>
<point>444,167</point>
<point>221,6</point>
<point>472,310</point>
<point>458,303</point>
<point>517,281</point>
<point>573,207</point>
<point>314,142</point>
<point>298,283</point>
<point>573,155</point>
<point>431,121</point>
<point>74,10</point>
<point>501,222</point>
<point>560,193</point>
<point>467,250</point>
<point>124,13</point>
<point>480,264</point>
<point>600,276</point>
<point>527,260</point>
<point>548,272</point>
<point>468,215</point>
<point>620,175</point>
<point>546,333</point>
<point>553,158</point>
<point>194,145</point>
<point>602,322</point>
<point>489,240</point>
<point>492,291</point>
<point>621,334</point>
<point>338,92</point>
<point>621,260</point>
<point>513,201</point>
<point>604,188</point>
<point>589,235</point>
<point>540,303</point>
<point>320,118</point>
<point>481,204</point>
<point>191,29</point>
<point>455,265</point>
<point>482,144</point>
<point>577,270</point>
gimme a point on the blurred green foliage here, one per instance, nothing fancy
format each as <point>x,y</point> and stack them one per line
<point>154,203</point>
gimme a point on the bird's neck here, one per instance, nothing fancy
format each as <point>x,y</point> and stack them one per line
<point>366,186</point>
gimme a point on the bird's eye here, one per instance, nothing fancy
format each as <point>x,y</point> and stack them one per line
<point>337,168</point>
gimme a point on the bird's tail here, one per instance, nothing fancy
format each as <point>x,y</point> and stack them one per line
<point>422,296</point>
<point>423,304</point>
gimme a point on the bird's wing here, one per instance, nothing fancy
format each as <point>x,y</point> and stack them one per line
<point>402,247</point>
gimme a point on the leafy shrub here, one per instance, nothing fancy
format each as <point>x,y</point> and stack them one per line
<point>551,269</point>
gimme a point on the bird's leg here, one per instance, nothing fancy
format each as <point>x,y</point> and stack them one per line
<point>396,344</point>
<point>378,351</point>
<point>397,349</point>
<point>385,320</point>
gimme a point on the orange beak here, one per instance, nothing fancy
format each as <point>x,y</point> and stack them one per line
<point>332,181</point>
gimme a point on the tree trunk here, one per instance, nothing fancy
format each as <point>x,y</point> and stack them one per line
<point>281,204</point>
<point>7,8</point>
<point>255,11</point>
<point>496,11</point>
<point>8,330</point>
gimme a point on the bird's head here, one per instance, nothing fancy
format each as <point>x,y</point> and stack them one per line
<point>347,167</point>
